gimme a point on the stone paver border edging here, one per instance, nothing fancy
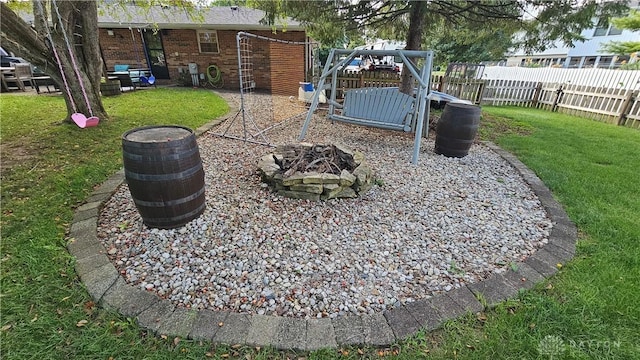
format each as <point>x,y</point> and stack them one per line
<point>108,288</point>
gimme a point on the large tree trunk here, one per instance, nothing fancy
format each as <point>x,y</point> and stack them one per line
<point>417,18</point>
<point>80,23</point>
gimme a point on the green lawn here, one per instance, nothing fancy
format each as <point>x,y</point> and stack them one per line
<point>589,310</point>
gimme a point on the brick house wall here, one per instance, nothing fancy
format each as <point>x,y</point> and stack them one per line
<point>278,67</point>
<point>285,71</point>
<point>120,49</point>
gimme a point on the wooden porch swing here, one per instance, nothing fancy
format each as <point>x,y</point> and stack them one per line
<point>385,108</point>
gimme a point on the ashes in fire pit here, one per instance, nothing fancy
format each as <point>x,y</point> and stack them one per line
<point>316,172</point>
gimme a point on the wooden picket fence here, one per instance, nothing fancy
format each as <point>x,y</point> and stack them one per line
<point>509,92</point>
<point>467,89</point>
<point>354,80</point>
<point>597,77</point>
<point>617,105</point>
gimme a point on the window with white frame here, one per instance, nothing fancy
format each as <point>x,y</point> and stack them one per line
<point>208,41</point>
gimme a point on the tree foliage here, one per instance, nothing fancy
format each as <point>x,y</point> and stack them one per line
<point>44,42</point>
<point>629,22</point>
<point>541,22</point>
<point>76,65</point>
<point>469,44</point>
<point>390,17</point>
<point>545,22</point>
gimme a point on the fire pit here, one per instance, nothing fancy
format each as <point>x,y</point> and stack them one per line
<point>316,172</point>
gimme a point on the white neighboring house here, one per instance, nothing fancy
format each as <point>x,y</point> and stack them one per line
<point>584,54</point>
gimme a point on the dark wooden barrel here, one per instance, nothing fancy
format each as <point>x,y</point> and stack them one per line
<point>164,171</point>
<point>456,129</point>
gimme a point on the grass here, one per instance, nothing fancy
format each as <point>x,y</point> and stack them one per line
<point>588,311</point>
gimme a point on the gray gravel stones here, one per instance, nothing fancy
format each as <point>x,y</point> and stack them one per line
<point>421,230</point>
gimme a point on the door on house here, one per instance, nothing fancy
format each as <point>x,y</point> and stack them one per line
<point>155,54</point>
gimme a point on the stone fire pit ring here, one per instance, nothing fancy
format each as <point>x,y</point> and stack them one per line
<point>347,175</point>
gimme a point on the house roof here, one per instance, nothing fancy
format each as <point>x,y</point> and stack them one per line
<point>171,17</point>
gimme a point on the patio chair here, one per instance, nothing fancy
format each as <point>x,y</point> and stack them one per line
<point>22,74</point>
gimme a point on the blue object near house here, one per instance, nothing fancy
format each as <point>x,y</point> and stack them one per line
<point>306,86</point>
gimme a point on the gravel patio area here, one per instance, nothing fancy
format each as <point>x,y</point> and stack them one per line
<point>420,231</point>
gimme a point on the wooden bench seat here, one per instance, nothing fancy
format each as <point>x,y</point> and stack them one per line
<point>385,108</point>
